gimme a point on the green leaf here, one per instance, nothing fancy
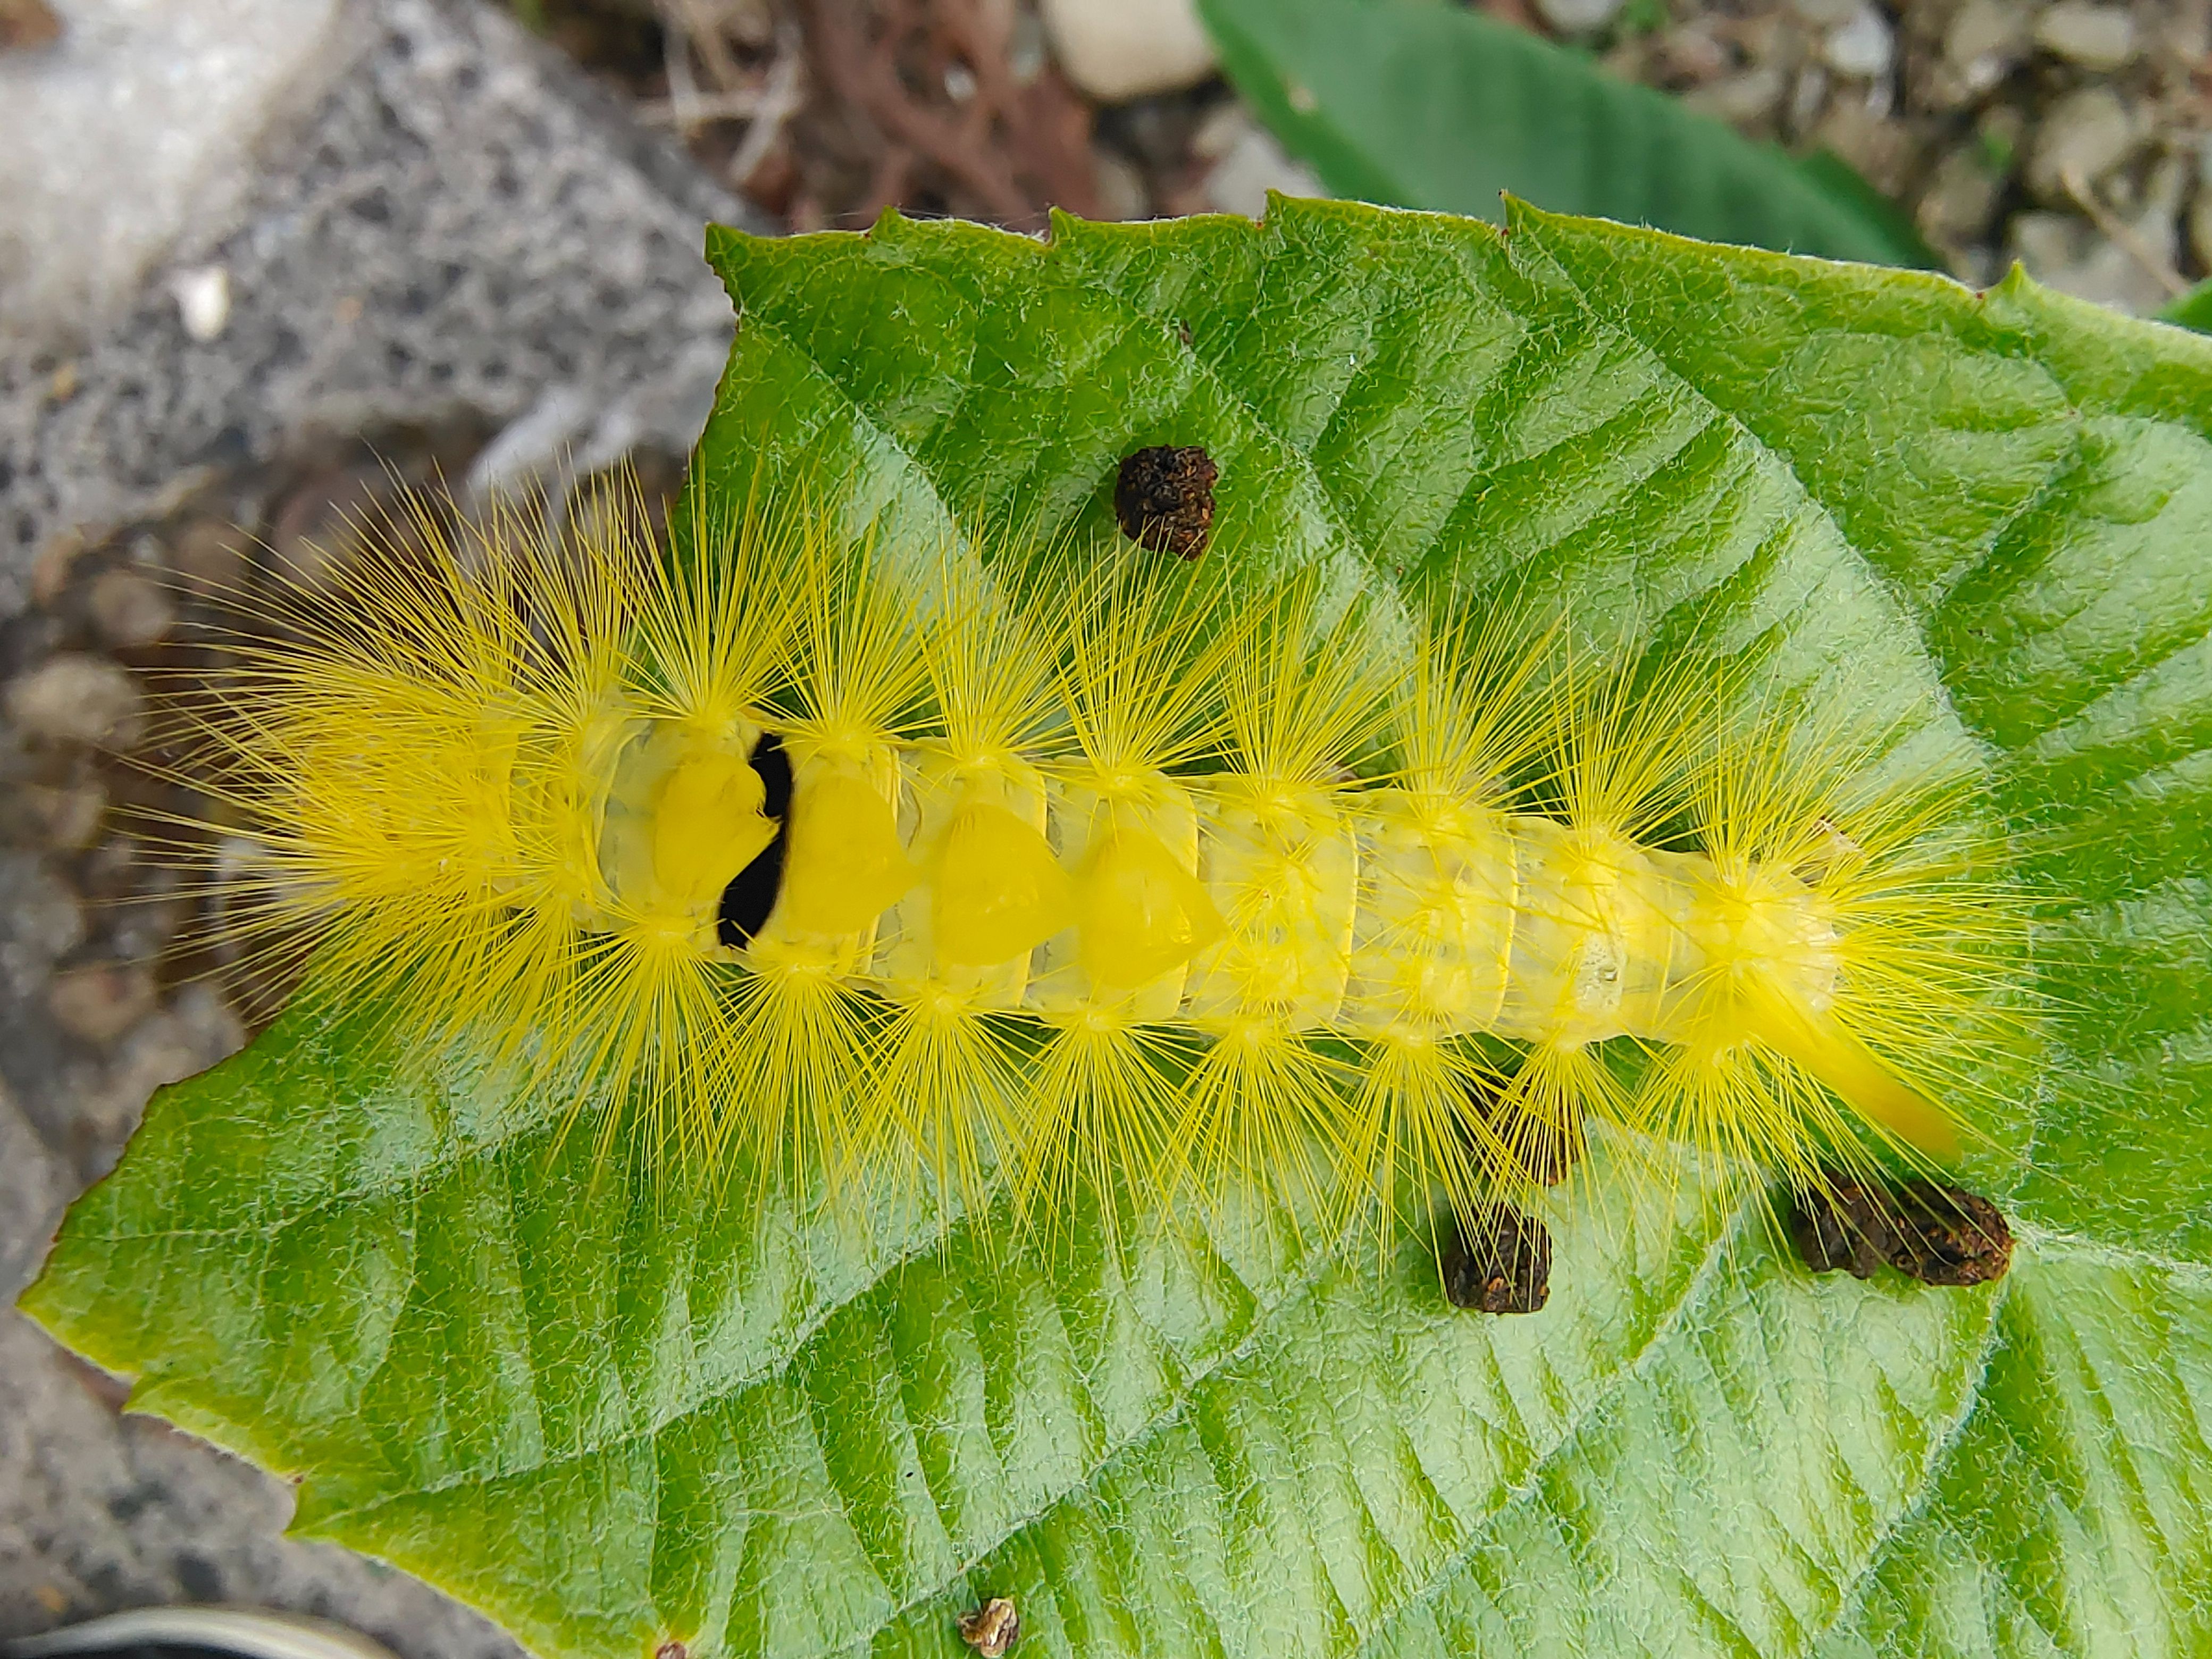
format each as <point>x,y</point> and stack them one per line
<point>2193,309</point>
<point>608,1410</point>
<point>1414,104</point>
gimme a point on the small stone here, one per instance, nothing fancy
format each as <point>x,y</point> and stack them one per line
<point>1747,96</point>
<point>992,1628</point>
<point>2070,253</point>
<point>57,561</point>
<point>1028,52</point>
<point>41,920</point>
<point>2100,39</point>
<point>2049,242</point>
<point>1880,149</point>
<point>169,1044</point>
<point>1117,49</point>
<point>1982,29</point>
<point>1809,97</point>
<point>2085,136</point>
<point>1121,192</point>
<point>74,698</point>
<point>1221,131</point>
<point>1961,196</point>
<point>1578,17</point>
<point>203,297</point>
<point>1862,48</point>
<point>210,554</point>
<point>66,820</point>
<point>1689,57</point>
<point>131,609</point>
<point>1256,164</point>
<point>1500,1262</point>
<point>1825,14</point>
<point>1985,40</point>
<point>2184,35</point>
<point>99,1003</point>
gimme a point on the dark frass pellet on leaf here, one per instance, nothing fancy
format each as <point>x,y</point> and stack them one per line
<point>992,1628</point>
<point>1500,1262</point>
<point>1163,499</point>
<point>1927,1231</point>
<point>1943,1235</point>
<point>1839,1228</point>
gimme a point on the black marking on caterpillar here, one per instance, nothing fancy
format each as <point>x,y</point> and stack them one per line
<point>747,900</point>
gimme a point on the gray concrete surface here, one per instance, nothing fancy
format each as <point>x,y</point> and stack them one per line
<point>462,226</point>
<point>139,120</point>
<point>455,231</point>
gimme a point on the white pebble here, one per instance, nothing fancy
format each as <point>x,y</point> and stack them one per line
<point>203,297</point>
<point>2099,37</point>
<point>1578,16</point>
<point>1117,49</point>
<point>1861,48</point>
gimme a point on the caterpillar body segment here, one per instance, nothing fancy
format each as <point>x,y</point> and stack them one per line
<point>1115,874</point>
<point>1346,910</point>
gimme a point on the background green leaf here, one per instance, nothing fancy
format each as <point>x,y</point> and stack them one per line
<point>606,1411</point>
<point>1414,104</point>
<point>2193,309</point>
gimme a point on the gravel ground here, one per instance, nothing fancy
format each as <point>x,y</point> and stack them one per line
<point>2074,136</point>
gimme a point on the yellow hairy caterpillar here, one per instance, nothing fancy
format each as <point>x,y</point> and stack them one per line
<point>1080,866</point>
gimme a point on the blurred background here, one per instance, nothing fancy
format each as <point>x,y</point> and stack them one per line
<point>261,261</point>
<point>2070,136</point>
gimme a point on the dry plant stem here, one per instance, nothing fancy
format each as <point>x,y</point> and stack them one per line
<point>695,21</point>
<point>776,103</point>
<point>1042,125</point>
<point>2123,233</point>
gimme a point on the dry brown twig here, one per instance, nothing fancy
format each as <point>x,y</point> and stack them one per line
<point>2124,235</point>
<point>780,99</point>
<point>933,78</point>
